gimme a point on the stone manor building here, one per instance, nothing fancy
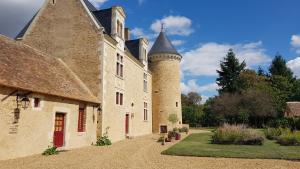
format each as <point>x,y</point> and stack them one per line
<point>73,74</point>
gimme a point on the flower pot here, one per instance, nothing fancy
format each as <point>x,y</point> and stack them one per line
<point>178,136</point>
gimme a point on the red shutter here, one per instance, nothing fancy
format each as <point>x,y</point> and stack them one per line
<point>81,120</point>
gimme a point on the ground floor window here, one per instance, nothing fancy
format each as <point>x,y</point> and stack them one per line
<point>145,111</point>
<point>81,119</point>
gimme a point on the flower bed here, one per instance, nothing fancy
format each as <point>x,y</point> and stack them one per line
<point>236,134</point>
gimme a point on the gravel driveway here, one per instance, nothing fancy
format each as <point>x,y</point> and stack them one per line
<point>138,153</point>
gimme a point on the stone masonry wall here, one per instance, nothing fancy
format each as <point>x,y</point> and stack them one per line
<point>64,30</point>
<point>166,92</point>
<point>33,132</point>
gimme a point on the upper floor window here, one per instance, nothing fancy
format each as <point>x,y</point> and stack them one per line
<point>119,29</point>
<point>145,111</point>
<point>144,54</point>
<point>145,82</point>
<point>119,66</point>
<point>81,119</point>
<point>119,98</point>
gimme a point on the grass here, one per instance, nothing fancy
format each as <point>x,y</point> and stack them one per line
<point>200,145</point>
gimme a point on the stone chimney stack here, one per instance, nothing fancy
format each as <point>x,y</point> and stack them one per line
<point>127,34</point>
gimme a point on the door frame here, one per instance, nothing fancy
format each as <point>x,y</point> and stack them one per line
<point>64,127</point>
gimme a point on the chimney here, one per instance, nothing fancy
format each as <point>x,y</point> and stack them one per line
<point>127,34</point>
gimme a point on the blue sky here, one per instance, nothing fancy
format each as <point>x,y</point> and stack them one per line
<point>203,31</point>
<point>255,29</point>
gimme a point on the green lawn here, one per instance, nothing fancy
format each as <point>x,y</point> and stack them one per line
<point>199,145</point>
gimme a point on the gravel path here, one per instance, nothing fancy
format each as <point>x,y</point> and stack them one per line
<point>138,153</point>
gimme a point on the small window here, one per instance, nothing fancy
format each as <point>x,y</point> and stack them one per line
<point>81,119</point>
<point>176,104</point>
<point>119,98</point>
<point>36,102</point>
<point>145,111</point>
<point>145,82</point>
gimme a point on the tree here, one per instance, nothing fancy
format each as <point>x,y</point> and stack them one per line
<point>173,119</point>
<point>278,67</point>
<point>260,71</point>
<point>229,74</point>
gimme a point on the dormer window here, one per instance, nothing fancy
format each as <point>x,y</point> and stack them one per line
<point>119,29</point>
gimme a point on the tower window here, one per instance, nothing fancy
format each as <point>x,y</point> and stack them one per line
<point>176,104</point>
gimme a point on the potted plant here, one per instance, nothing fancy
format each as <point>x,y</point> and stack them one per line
<point>177,136</point>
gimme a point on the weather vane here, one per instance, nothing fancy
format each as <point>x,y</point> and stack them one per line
<point>162,27</point>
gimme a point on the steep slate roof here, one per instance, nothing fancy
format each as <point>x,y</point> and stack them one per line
<point>23,67</point>
<point>292,109</point>
<point>162,45</point>
<point>134,47</point>
<point>89,5</point>
<point>104,18</point>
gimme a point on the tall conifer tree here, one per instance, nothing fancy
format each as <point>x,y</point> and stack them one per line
<point>229,75</point>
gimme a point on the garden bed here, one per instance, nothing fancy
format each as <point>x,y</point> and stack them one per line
<point>200,145</point>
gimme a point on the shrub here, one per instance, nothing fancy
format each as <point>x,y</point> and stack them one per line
<point>274,133</point>
<point>236,134</point>
<point>297,123</point>
<point>50,151</point>
<point>104,140</point>
<point>184,129</point>
<point>289,139</point>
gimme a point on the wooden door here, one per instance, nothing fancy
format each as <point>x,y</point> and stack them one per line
<point>59,129</point>
<point>127,124</point>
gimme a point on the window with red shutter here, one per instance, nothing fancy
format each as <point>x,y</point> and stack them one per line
<point>36,102</point>
<point>81,120</point>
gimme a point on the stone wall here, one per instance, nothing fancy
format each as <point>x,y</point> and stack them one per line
<point>65,30</point>
<point>33,132</point>
<point>166,91</point>
<point>131,85</point>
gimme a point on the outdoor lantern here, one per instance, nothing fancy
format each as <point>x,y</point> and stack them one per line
<point>99,109</point>
<point>25,102</point>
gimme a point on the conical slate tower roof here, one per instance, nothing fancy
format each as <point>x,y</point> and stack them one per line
<point>162,45</point>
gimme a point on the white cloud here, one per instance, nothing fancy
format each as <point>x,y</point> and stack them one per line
<point>139,32</point>
<point>294,65</point>
<point>192,86</point>
<point>175,25</point>
<point>178,42</point>
<point>98,3</point>
<point>205,59</point>
<point>295,42</point>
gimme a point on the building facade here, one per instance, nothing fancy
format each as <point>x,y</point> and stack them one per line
<point>133,92</point>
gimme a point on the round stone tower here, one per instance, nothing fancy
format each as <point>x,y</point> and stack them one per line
<point>166,93</point>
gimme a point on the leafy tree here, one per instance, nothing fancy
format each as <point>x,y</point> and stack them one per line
<point>229,74</point>
<point>173,118</point>
<point>279,68</point>
<point>260,71</point>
